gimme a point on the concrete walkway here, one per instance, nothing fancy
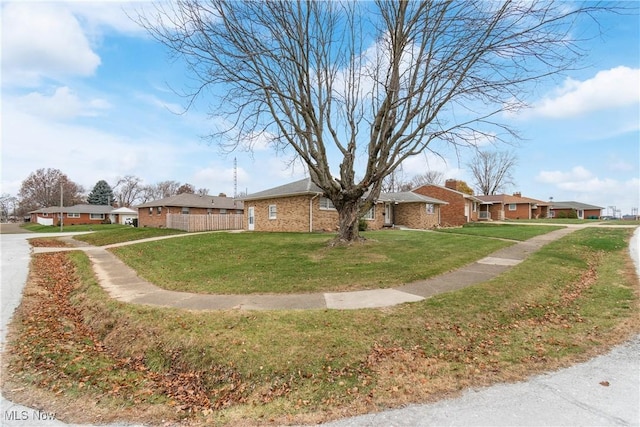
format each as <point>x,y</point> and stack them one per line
<point>123,283</point>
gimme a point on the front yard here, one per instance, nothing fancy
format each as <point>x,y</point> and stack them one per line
<point>229,263</point>
<point>70,344</point>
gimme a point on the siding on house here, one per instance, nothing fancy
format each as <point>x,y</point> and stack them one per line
<point>503,206</point>
<point>566,208</point>
<point>452,214</point>
<point>154,213</point>
<point>73,215</point>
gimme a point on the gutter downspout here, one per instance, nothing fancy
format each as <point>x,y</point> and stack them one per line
<point>311,212</point>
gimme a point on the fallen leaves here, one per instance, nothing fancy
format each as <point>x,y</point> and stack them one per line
<point>59,352</point>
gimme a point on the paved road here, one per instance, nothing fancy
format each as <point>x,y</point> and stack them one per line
<point>567,397</point>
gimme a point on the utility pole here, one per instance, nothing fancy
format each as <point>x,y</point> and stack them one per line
<point>235,177</point>
<point>61,205</point>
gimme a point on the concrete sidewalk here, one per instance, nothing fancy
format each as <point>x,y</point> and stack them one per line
<point>123,283</point>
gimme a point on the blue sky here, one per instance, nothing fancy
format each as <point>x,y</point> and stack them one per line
<point>86,91</point>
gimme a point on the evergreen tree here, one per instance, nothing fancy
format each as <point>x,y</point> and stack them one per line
<point>102,194</point>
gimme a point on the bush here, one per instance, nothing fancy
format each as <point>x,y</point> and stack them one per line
<point>362,225</point>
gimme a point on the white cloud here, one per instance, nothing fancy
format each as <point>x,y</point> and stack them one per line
<point>581,185</point>
<point>43,40</point>
<point>63,103</point>
<point>84,154</point>
<point>576,174</point>
<point>609,89</point>
<point>115,14</point>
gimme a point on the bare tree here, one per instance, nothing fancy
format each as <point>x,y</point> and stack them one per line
<point>186,188</point>
<point>355,88</point>
<point>492,171</point>
<point>160,190</point>
<point>7,207</point>
<point>202,192</point>
<point>395,181</point>
<point>42,188</point>
<point>128,190</point>
<point>429,177</point>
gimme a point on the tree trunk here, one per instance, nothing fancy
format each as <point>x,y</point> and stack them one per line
<point>348,219</point>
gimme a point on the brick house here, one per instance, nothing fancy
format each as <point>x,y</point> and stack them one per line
<point>154,213</point>
<point>582,210</point>
<point>301,206</point>
<point>503,206</point>
<point>461,207</point>
<point>74,215</point>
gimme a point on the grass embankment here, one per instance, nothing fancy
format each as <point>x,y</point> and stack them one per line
<point>125,234</point>
<point>70,344</point>
<point>223,263</point>
<point>37,228</point>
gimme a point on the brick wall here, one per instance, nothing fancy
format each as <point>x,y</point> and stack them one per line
<point>414,215</point>
<point>151,217</point>
<point>293,215</point>
<point>451,215</point>
<point>523,211</point>
<point>84,219</point>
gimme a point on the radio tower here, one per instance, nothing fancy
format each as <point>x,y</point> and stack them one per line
<point>235,177</point>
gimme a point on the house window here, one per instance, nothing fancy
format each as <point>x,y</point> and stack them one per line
<point>371,214</point>
<point>185,211</point>
<point>150,211</point>
<point>272,211</point>
<point>512,206</point>
<point>326,204</point>
<point>73,215</point>
<point>96,216</point>
<point>475,206</point>
<point>430,208</point>
<point>159,210</point>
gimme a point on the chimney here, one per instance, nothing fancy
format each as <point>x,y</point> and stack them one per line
<point>222,195</point>
<point>451,184</point>
<point>517,194</point>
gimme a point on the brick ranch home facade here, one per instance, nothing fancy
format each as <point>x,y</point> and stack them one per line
<point>503,206</point>
<point>154,213</point>
<point>582,210</point>
<point>461,208</point>
<point>81,215</point>
<point>301,206</point>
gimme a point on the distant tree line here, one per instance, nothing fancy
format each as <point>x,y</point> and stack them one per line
<point>51,187</point>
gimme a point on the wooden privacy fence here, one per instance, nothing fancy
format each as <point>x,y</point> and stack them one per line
<point>208,222</point>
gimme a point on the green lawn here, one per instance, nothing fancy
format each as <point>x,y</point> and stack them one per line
<point>502,231</point>
<point>71,228</point>
<point>245,263</point>
<point>110,236</point>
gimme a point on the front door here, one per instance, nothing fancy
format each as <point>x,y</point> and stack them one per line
<point>388,214</point>
<point>252,218</point>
